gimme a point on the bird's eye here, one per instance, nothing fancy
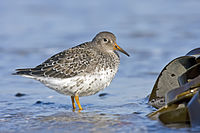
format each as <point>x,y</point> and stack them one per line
<point>105,40</point>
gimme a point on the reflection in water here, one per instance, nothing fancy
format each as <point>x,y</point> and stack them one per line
<point>98,119</point>
<point>81,120</point>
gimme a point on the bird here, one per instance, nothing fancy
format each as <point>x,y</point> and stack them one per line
<point>79,71</point>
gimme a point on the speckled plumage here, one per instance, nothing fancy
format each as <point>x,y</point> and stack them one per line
<point>82,70</point>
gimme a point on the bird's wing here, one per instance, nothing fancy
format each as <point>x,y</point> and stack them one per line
<point>66,64</point>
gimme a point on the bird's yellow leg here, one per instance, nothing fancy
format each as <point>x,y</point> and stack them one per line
<point>73,102</point>
<point>78,103</point>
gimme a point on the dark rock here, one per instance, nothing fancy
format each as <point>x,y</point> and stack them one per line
<point>195,51</point>
<point>103,94</point>
<point>193,109</point>
<point>20,95</point>
<point>168,79</point>
<point>38,102</point>
<point>177,91</point>
<point>43,103</point>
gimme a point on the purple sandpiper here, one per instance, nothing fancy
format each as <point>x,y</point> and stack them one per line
<point>82,70</point>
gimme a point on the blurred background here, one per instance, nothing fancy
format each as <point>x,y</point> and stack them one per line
<point>153,32</point>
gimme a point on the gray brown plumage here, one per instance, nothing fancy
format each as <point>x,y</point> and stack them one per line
<point>82,70</point>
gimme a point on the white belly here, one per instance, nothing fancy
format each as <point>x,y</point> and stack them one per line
<point>80,85</point>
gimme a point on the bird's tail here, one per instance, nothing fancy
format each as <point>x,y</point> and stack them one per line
<point>23,72</point>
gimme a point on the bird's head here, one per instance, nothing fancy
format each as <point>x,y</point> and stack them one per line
<point>107,40</point>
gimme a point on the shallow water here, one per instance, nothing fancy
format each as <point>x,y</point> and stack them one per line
<point>153,33</point>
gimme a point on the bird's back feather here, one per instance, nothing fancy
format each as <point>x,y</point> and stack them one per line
<point>66,64</point>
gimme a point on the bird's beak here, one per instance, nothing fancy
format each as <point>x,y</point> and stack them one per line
<point>116,47</point>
